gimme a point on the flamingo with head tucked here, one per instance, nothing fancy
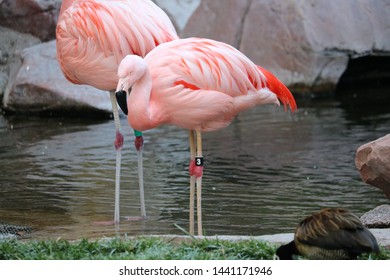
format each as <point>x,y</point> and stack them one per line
<point>93,36</point>
<point>196,84</point>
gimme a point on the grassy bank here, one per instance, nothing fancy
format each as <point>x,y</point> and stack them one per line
<point>142,248</point>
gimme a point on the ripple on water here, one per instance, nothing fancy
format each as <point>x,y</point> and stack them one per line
<point>263,173</point>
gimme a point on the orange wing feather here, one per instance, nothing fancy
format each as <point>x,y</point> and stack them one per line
<point>279,89</point>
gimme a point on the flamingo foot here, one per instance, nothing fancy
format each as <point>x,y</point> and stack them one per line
<point>195,170</point>
<point>118,143</point>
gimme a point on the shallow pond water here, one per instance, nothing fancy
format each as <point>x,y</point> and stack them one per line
<point>263,173</point>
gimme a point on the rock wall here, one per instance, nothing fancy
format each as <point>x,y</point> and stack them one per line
<point>307,44</point>
<point>37,17</point>
<point>30,78</point>
<point>39,86</point>
<point>12,44</point>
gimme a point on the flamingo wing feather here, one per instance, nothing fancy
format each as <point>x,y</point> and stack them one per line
<point>94,36</point>
<point>205,64</point>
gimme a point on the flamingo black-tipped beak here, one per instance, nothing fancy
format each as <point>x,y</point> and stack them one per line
<point>121,99</point>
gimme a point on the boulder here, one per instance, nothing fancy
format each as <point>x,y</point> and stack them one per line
<point>178,11</point>
<point>373,162</point>
<point>37,17</point>
<point>307,44</point>
<point>220,20</point>
<point>378,217</point>
<point>39,85</point>
<point>11,45</point>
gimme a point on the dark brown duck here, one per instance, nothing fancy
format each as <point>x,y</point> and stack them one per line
<point>330,234</point>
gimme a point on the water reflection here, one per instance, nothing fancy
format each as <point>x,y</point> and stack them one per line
<point>262,174</point>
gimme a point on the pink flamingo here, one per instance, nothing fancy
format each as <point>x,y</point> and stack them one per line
<point>196,84</point>
<point>93,36</point>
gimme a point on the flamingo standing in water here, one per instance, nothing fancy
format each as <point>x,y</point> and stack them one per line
<point>196,84</point>
<point>93,36</point>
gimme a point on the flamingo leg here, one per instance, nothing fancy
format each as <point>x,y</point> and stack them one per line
<point>121,98</point>
<point>199,165</point>
<point>139,140</point>
<point>192,182</point>
<point>118,146</point>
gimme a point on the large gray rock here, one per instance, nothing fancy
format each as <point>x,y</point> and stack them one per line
<point>39,85</point>
<point>220,20</point>
<point>307,44</point>
<point>37,17</point>
<point>373,162</point>
<point>179,11</point>
<point>11,45</point>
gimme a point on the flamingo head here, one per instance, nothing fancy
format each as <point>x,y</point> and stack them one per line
<point>130,70</point>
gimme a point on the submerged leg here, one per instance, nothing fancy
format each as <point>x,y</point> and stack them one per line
<point>118,146</point>
<point>121,98</point>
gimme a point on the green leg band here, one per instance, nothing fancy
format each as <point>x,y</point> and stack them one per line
<point>137,133</point>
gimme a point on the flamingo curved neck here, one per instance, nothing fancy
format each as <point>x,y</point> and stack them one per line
<point>140,114</point>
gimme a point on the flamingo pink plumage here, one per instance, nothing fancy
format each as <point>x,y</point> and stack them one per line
<point>197,84</point>
<point>93,36</point>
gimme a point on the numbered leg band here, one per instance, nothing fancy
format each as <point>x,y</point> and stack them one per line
<point>198,161</point>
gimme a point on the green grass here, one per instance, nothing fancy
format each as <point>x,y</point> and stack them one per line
<point>149,248</point>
